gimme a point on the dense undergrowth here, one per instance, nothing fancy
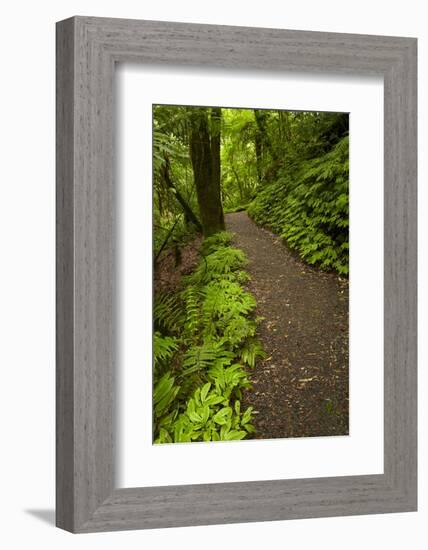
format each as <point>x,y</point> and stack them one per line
<point>308,207</point>
<point>204,342</point>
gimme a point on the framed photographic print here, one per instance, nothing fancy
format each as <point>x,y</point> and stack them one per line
<point>236,274</point>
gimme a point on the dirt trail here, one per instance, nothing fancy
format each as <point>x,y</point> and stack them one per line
<point>301,389</point>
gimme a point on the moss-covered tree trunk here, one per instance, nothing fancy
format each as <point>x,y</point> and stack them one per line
<point>205,156</point>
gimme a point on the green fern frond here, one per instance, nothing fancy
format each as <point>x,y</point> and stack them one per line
<point>167,313</point>
<point>251,351</point>
<point>164,348</point>
<point>211,244</point>
<point>192,304</point>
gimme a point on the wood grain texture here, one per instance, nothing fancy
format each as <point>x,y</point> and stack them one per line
<point>64,276</point>
<point>87,49</point>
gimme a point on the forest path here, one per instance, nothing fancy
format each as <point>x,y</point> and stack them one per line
<point>301,388</point>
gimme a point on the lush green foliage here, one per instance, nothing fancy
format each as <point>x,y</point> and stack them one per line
<point>308,207</point>
<point>204,341</point>
<point>290,171</point>
<point>171,158</point>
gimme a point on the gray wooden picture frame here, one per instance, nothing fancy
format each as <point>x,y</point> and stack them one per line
<point>87,50</point>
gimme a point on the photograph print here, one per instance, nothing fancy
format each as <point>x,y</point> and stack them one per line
<point>251,274</point>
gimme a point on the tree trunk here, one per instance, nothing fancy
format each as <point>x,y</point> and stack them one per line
<point>259,160</point>
<point>205,156</point>
<point>238,181</point>
<point>215,153</point>
<point>261,117</point>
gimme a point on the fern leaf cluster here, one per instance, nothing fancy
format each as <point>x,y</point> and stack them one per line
<point>163,348</point>
<point>308,207</point>
<point>204,342</point>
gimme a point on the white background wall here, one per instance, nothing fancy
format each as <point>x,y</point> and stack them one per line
<point>27,272</point>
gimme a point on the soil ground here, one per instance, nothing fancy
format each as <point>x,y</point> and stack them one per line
<point>301,389</point>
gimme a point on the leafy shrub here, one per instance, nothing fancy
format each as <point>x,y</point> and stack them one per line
<point>207,416</point>
<point>204,340</point>
<point>222,263</point>
<point>216,241</point>
<point>309,208</point>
